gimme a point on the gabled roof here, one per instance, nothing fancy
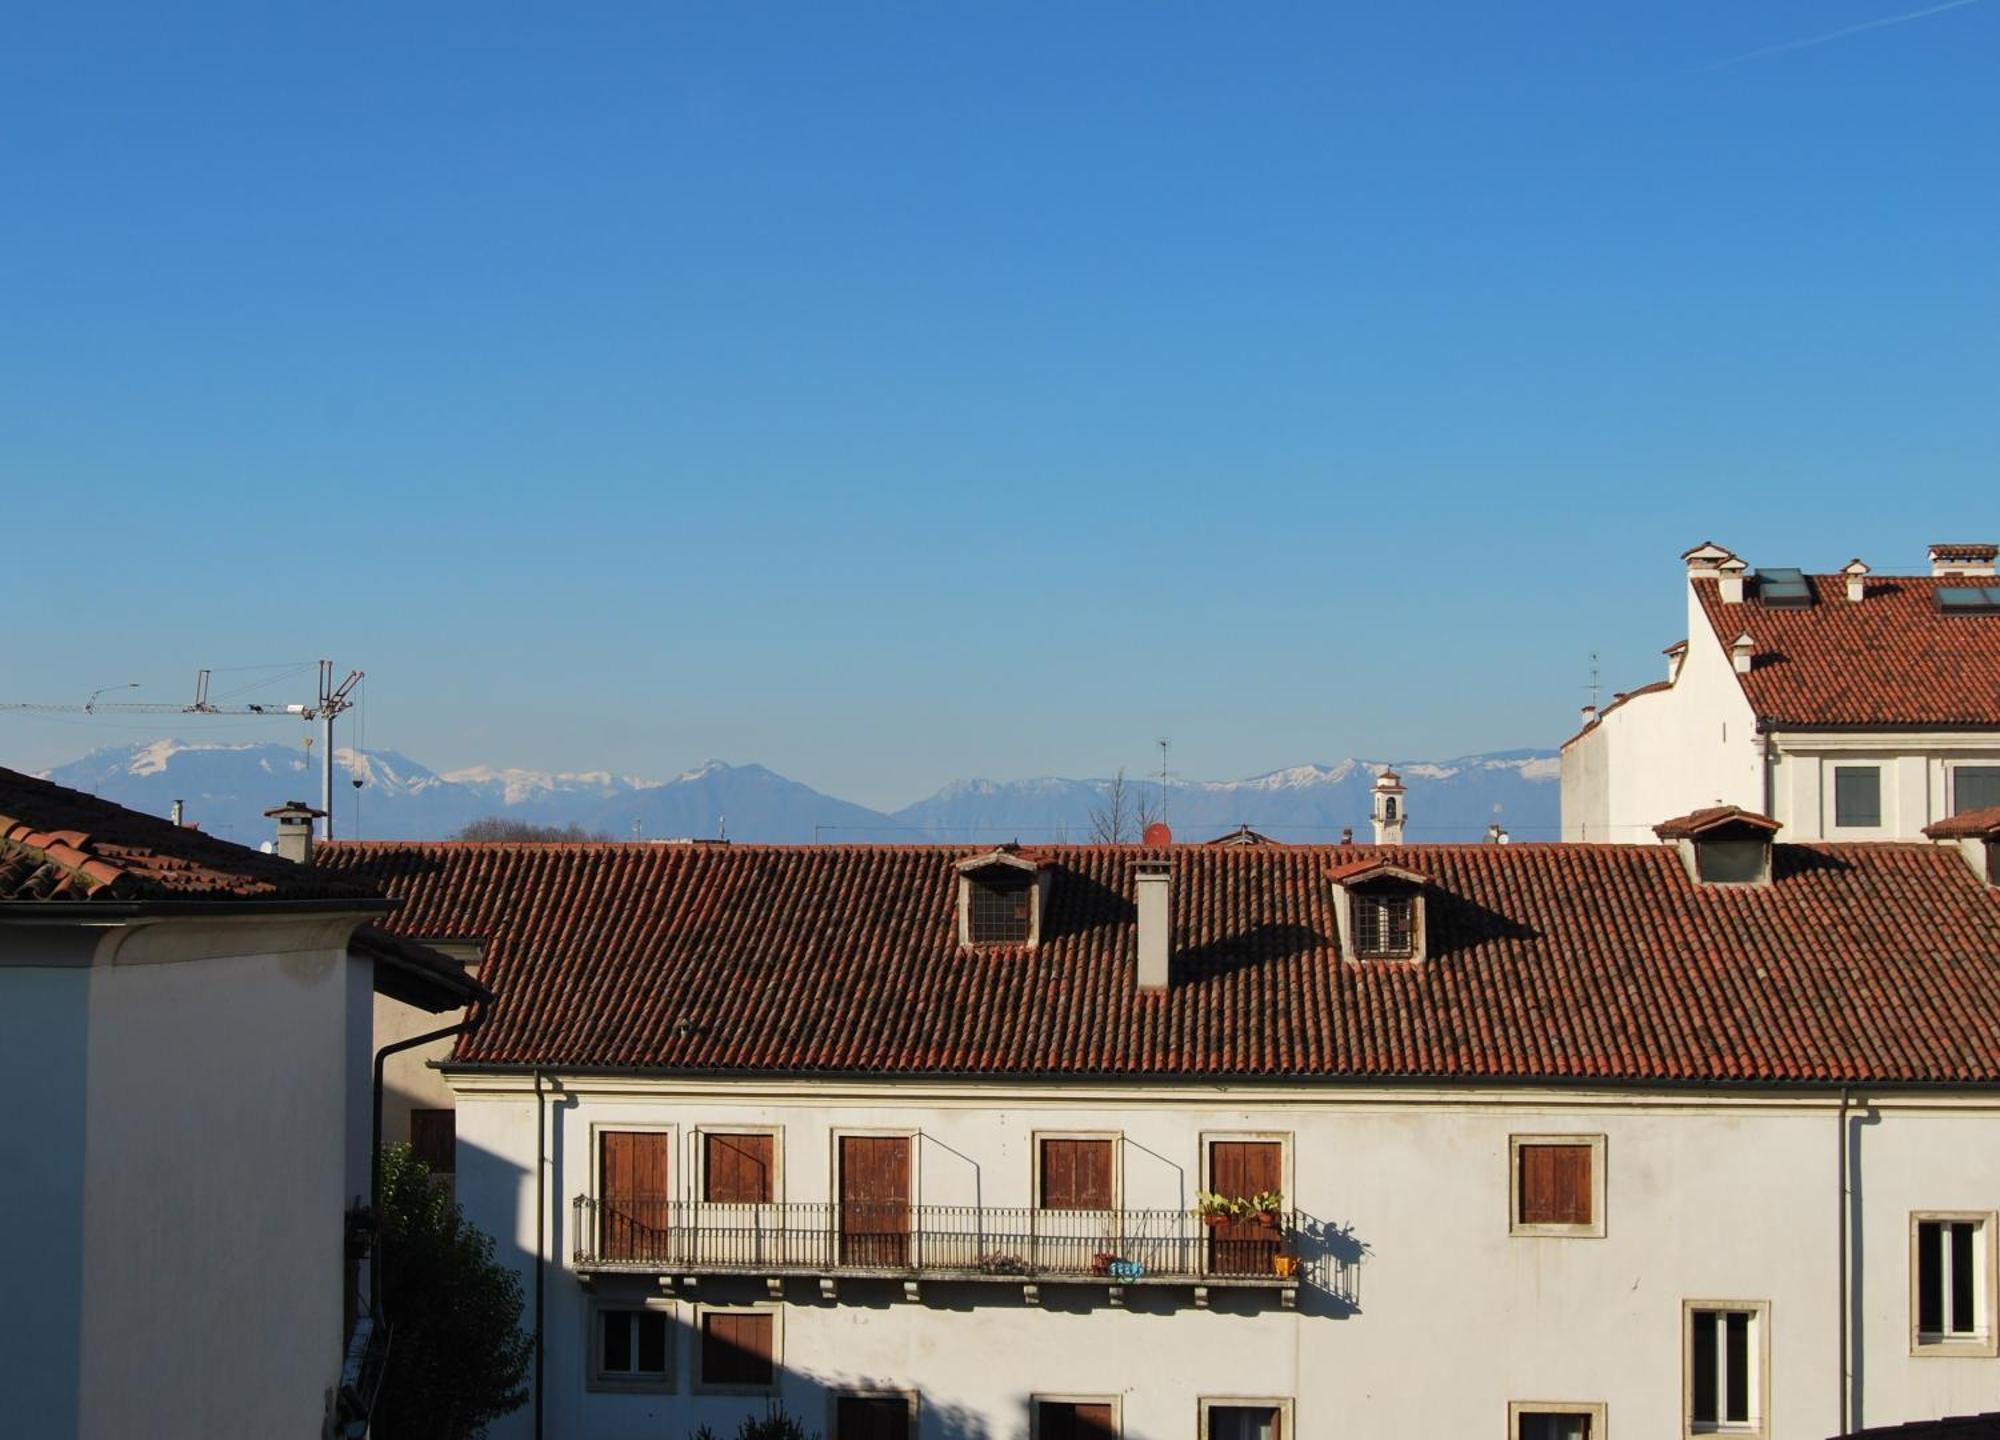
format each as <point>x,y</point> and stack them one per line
<point>1005,857</point>
<point>1606,963</point>
<point>415,974</point>
<point>1371,867</point>
<point>1242,835</point>
<point>1981,824</point>
<point>1716,821</point>
<point>1891,659</point>
<point>60,846</point>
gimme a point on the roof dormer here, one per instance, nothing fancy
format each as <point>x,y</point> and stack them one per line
<point>1001,897</point>
<point>1976,833</point>
<point>1723,845</point>
<point>1379,908</point>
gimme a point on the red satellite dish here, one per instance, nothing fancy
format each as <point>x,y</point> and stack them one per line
<point>1157,833</point>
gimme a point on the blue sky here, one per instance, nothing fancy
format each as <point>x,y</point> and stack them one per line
<point>890,393</point>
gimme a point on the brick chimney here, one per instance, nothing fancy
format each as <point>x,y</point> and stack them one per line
<point>295,830</point>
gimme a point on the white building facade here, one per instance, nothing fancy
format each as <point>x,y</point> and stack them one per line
<point>914,1142</point>
<point>1849,706</point>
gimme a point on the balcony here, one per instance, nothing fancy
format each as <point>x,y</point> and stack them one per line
<point>679,1241</point>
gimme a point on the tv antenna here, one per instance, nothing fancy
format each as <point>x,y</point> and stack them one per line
<point>331,702</point>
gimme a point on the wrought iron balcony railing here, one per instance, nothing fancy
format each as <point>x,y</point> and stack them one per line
<point>960,1242</point>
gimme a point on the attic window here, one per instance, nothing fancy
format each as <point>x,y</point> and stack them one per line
<point>1723,845</point>
<point>1969,600</point>
<point>999,907</point>
<point>1384,926</point>
<point>1784,589</point>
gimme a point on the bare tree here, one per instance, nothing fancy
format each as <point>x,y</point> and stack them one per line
<point>1111,823</point>
<point>498,829</point>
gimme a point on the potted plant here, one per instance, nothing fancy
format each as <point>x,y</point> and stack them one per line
<point>1100,1263</point>
<point>1216,1210</point>
<point>1266,1206</point>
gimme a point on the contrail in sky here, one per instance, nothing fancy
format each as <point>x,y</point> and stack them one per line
<point>1884,22</point>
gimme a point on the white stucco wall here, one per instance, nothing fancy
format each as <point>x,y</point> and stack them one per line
<point>1917,779</point>
<point>1722,1198</point>
<point>217,1148</point>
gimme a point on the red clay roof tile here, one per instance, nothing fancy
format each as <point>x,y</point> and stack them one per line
<point>1602,963</point>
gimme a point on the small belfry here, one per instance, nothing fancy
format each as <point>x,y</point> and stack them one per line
<point>1388,808</point>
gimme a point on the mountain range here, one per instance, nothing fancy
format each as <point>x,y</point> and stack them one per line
<point>225,788</point>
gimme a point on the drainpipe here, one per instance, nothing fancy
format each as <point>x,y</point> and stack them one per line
<point>1770,786</point>
<point>464,1026</point>
<point>1846,1390</point>
<point>541,1238</point>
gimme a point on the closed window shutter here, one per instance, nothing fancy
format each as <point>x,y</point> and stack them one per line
<point>1076,1174</point>
<point>1555,1185</point>
<point>434,1139</point>
<point>736,1349</point>
<point>736,1169</point>
<point>632,1176</point>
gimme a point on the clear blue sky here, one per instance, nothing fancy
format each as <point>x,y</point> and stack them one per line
<point>894,393</point>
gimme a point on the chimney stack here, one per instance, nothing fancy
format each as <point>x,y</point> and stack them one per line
<point>1963,560</point>
<point>1739,653</point>
<point>1388,809</point>
<point>1154,881</point>
<point>179,811</point>
<point>1857,579</point>
<point>1731,586</point>
<point>295,830</point>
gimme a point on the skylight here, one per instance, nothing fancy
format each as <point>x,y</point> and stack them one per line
<point>1784,588</point>
<point>1970,600</point>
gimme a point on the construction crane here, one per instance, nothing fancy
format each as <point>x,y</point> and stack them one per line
<point>333,699</point>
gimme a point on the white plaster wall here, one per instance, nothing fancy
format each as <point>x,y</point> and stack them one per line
<point>1917,780</point>
<point>217,1150</point>
<point>1665,753</point>
<point>1706,1199</point>
<point>410,1080</point>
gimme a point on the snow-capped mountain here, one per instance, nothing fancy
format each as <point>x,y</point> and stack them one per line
<point>226,787</point>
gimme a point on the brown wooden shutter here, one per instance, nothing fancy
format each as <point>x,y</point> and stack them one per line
<point>875,1200</point>
<point>1555,1184</point>
<point>1239,1169</point>
<point>736,1349</point>
<point>434,1139</point>
<point>1076,1174</point>
<point>633,1197</point>
<point>1075,1420</point>
<point>736,1169</point>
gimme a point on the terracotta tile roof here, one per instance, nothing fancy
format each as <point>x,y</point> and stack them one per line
<point>1952,1427</point>
<point>1889,659</point>
<point>415,974</point>
<point>1872,962</point>
<point>1981,824</point>
<point>59,845</point>
<point>1715,818</point>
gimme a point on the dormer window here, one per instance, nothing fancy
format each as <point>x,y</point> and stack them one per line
<point>999,908</point>
<point>1976,833</point>
<point>1384,926</point>
<point>1380,911</point>
<point>1000,898</point>
<point>1723,845</point>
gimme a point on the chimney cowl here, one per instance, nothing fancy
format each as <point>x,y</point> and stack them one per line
<point>1741,652</point>
<point>1973,560</point>
<point>1730,581</point>
<point>295,830</point>
<point>1857,572</point>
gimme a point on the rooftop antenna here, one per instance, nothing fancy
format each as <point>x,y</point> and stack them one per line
<point>1165,744</point>
<point>722,828</point>
<point>1595,686</point>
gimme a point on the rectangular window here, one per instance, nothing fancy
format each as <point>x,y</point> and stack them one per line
<point>1242,1420</point>
<point>1076,1174</point>
<point>737,1169</point>
<point>1725,1361</point>
<point>1543,1421</point>
<point>434,1139</point>
<point>1857,796</point>
<point>874,1417</point>
<point>1382,925</point>
<point>633,1199</point>
<point>999,908</point>
<point>1557,1185</point>
<point>631,1346</point>
<point>1974,787</point>
<point>1244,1170</point>
<point>1951,1283</point>
<point>738,1348</point>
<point>1076,1420</point>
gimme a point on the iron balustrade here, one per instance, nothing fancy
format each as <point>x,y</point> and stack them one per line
<point>961,1241</point>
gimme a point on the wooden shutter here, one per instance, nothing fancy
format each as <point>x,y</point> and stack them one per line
<point>736,1169</point>
<point>1075,1420</point>
<point>434,1139</point>
<point>632,1193</point>
<point>1076,1174</point>
<point>875,1200</point>
<point>1240,1169</point>
<point>736,1349</point>
<point>1555,1184</point>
